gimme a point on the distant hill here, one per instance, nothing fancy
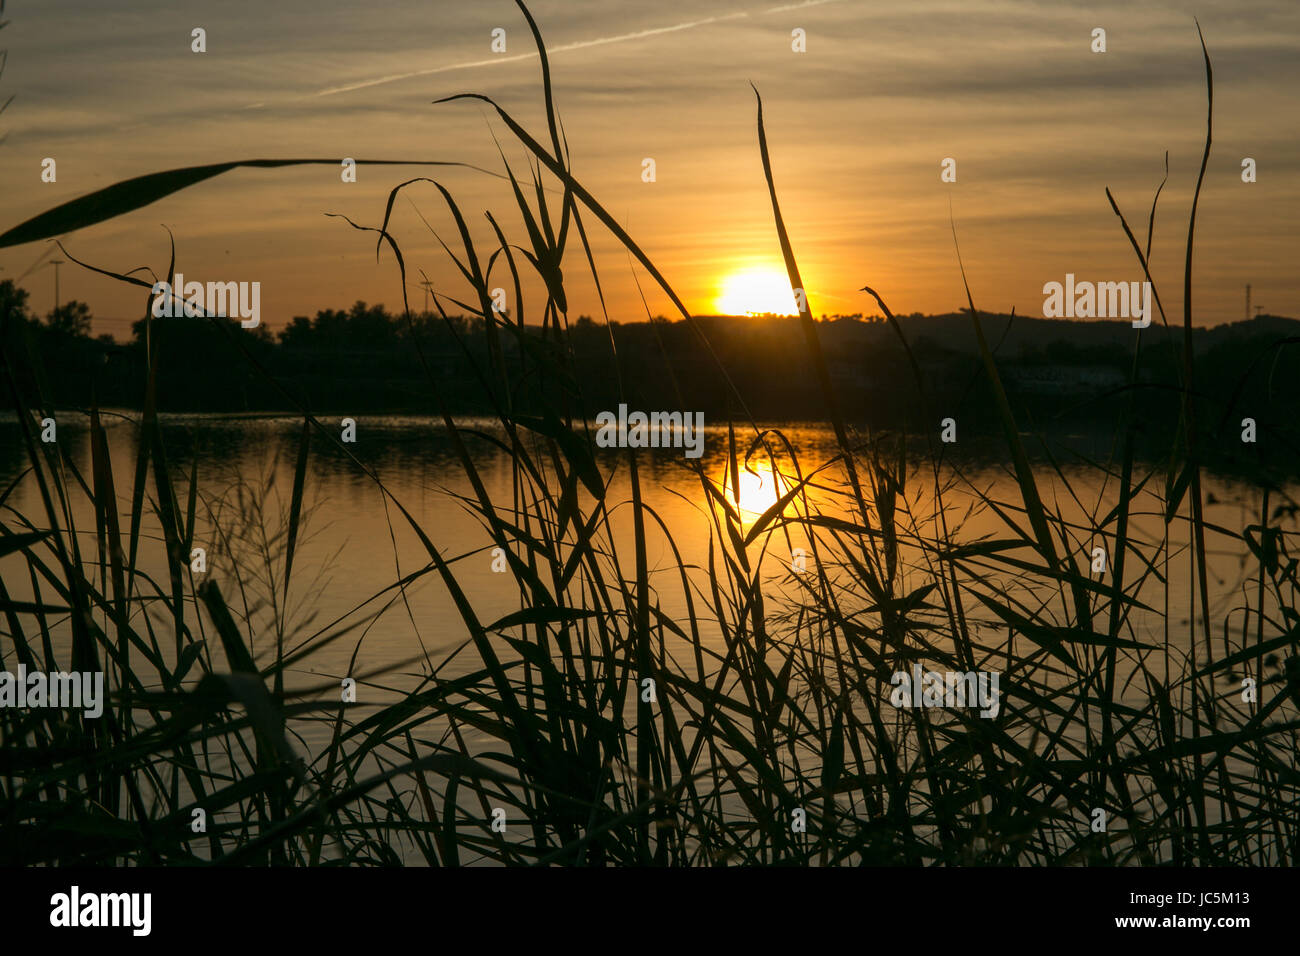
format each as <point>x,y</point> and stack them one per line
<point>364,360</point>
<point>1016,337</point>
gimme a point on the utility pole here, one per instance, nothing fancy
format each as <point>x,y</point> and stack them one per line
<point>56,263</point>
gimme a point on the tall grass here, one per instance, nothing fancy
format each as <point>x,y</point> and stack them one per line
<point>772,690</point>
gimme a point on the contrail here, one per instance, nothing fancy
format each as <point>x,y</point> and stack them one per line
<point>579,45</point>
<point>799,6</point>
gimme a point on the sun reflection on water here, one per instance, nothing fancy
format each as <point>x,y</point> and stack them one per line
<point>760,489</point>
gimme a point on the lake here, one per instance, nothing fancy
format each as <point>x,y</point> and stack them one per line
<point>355,543</point>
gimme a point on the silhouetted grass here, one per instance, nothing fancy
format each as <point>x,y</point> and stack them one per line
<point>772,690</point>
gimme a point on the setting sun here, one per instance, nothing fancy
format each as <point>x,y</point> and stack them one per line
<point>754,292</point>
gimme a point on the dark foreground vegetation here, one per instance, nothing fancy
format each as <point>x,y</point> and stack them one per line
<point>772,692</point>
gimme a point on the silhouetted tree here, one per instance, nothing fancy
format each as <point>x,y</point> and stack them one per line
<point>13,305</point>
<point>71,318</point>
<point>370,326</point>
<point>298,333</point>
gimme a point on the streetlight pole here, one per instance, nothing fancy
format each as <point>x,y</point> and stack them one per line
<point>56,263</point>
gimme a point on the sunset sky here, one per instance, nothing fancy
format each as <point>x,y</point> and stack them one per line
<point>857,126</point>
